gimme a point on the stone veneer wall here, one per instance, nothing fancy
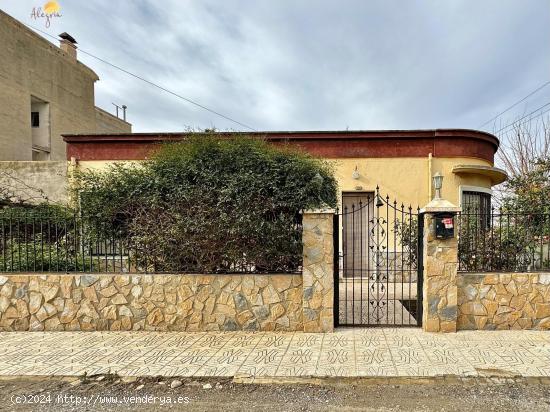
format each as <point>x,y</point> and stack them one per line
<point>439,289</point>
<point>318,270</point>
<point>150,302</point>
<point>490,301</point>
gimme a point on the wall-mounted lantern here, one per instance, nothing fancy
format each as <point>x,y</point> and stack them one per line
<point>438,184</point>
<point>317,182</point>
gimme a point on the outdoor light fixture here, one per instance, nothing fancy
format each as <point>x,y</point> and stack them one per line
<point>438,183</point>
<point>317,182</point>
<point>355,175</point>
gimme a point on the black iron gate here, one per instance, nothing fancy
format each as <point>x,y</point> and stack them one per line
<point>377,262</point>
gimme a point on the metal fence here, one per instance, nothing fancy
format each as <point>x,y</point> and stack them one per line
<point>67,242</point>
<point>377,272</point>
<point>506,241</point>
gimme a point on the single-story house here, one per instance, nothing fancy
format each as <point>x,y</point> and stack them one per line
<point>400,162</point>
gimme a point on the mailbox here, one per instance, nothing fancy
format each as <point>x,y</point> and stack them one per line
<point>444,225</point>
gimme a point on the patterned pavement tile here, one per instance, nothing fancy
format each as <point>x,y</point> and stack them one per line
<point>263,361</point>
<point>347,352</point>
<point>225,362</point>
<point>299,361</point>
<point>338,357</point>
<point>375,362</point>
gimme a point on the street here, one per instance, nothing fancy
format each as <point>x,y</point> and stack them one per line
<point>155,394</point>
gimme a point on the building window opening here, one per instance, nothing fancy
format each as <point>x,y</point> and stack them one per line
<point>35,119</point>
<point>41,129</point>
<point>477,205</point>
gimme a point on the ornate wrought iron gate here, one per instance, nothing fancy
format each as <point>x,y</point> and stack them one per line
<point>377,262</point>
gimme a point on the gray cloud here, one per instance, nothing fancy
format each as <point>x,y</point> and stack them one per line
<point>292,65</point>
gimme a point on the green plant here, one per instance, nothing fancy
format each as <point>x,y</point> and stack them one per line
<point>508,242</point>
<point>529,192</point>
<point>36,254</point>
<point>211,204</point>
<point>406,232</point>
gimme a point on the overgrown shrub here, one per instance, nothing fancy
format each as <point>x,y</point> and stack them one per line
<point>211,204</point>
<point>42,238</point>
<point>510,242</point>
<point>38,254</point>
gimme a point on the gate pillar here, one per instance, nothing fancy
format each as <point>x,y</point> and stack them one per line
<point>440,259</point>
<point>317,270</point>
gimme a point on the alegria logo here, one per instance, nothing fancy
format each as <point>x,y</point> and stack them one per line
<point>50,10</point>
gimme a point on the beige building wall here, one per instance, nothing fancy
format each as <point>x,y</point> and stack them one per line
<point>407,180</point>
<point>105,122</point>
<point>33,69</point>
<point>35,181</point>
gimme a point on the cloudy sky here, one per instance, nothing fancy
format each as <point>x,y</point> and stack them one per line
<point>302,65</point>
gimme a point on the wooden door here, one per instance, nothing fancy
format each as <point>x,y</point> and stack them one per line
<point>357,215</point>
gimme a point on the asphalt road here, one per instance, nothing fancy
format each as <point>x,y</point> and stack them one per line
<point>110,394</point>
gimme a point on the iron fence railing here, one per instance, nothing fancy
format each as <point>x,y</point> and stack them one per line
<point>507,241</point>
<point>378,273</point>
<point>68,242</point>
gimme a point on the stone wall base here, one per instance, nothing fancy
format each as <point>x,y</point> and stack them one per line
<point>151,302</point>
<point>489,301</point>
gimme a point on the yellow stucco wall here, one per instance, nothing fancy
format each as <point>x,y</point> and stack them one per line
<point>406,180</point>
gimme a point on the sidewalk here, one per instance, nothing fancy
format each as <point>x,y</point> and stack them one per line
<point>403,352</point>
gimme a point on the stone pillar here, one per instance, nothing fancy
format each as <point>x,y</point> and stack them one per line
<point>318,270</point>
<point>440,268</point>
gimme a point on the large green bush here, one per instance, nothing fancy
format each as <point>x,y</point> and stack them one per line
<point>211,204</point>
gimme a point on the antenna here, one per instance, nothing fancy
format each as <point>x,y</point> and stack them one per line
<point>123,107</point>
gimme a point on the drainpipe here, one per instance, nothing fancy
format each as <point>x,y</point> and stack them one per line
<point>429,177</point>
<point>72,168</point>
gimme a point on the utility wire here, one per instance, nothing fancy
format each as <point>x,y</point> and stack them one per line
<point>528,120</point>
<point>515,104</point>
<point>527,115</point>
<point>151,83</point>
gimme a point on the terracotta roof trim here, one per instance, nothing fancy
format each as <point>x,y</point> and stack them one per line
<point>293,135</point>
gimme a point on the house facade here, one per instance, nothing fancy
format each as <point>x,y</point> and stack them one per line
<point>382,262</point>
<point>374,262</point>
<point>45,92</point>
<point>400,162</point>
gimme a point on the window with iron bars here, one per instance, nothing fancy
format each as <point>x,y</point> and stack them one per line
<point>477,204</point>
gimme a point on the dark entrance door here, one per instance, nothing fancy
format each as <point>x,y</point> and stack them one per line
<point>378,277</point>
<point>360,210</point>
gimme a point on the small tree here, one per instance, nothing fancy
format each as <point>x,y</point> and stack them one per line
<point>523,145</point>
<point>211,204</point>
<point>530,192</point>
<point>525,154</point>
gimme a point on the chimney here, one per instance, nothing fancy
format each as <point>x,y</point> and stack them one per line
<point>68,44</point>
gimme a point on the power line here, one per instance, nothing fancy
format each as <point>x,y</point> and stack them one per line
<point>515,104</point>
<point>529,120</point>
<point>527,115</point>
<point>151,83</point>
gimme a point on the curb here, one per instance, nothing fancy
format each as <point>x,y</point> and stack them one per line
<point>320,381</point>
<point>392,380</point>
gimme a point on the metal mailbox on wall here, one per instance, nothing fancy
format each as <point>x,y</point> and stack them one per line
<point>445,225</point>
